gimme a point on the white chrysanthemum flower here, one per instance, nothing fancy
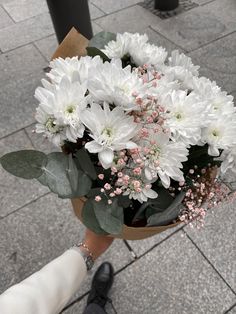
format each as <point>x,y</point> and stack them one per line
<point>203,87</point>
<point>178,59</point>
<point>221,103</point>
<point>75,69</point>
<point>220,134</point>
<point>111,131</point>
<point>48,125</point>
<point>148,54</point>
<point>206,90</point>
<point>114,84</point>
<point>185,115</point>
<point>183,76</point>
<point>59,110</point>
<point>123,44</point>
<point>163,158</point>
<point>142,196</point>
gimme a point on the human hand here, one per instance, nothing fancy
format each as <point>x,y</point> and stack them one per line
<point>96,243</point>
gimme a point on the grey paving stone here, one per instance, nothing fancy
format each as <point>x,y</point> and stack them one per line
<point>77,308</point>
<point>21,10</point>
<point>200,25</point>
<point>94,11</point>
<point>133,19</point>
<point>96,28</point>
<point>217,240</point>
<point>142,246</point>
<point>234,94</point>
<point>18,103</point>
<point>5,20</point>
<point>16,192</point>
<point>218,61</point>
<point>173,278</point>
<point>47,46</point>
<point>25,32</point>
<point>110,6</point>
<point>159,40</point>
<point>19,63</point>
<point>233,311</point>
<point>39,142</point>
<point>42,231</point>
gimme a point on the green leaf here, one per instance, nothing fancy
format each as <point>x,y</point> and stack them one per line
<point>25,164</point>
<point>140,214</point>
<point>85,163</point>
<point>84,185</point>
<point>152,206</point>
<point>110,217</point>
<point>56,175</point>
<point>93,51</point>
<point>124,201</point>
<point>72,173</point>
<point>101,39</point>
<point>89,218</point>
<point>62,177</point>
<point>168,215</point>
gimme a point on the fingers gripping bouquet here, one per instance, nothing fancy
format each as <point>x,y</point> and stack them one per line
<point>144,138</point>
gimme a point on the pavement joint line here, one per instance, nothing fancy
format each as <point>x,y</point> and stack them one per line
<point>23,206</point>
<point>8,15</point>
<point>133,254</point>
<point>202,5</point>
<point>32,17</point>
<point>42,55</point>
<point>16,131</point>
<point>74,302</point>
<point>119,10</point>
<point>234,305</point>
<point>177,46</point>
<point>210,42</point>
<point>209,262</point>
<point>98,8</point>
<point>29,138</point>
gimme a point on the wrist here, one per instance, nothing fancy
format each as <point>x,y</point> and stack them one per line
<point>86,254</point>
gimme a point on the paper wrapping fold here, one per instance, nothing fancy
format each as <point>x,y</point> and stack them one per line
<point>75,44</point>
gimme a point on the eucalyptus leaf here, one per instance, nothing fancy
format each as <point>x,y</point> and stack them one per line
<point>124,201</point>
<point>110,217</point>
<point>93,51</point>
<point>89,218</point>
<point>85,163</point>
<point>140,214</point>
<point>25,164</point>
<point>72,173</point>
<point>84,185</point>
<point>55,175</point>
<point>168,215</point>
<point>101,39</point>
<point>163,200</point>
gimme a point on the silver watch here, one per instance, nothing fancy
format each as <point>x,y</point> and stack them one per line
<point>87,255</point>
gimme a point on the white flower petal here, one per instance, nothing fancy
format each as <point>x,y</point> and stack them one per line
<point>106,158</point>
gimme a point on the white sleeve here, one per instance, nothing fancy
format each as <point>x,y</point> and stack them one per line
<point>48,290</point>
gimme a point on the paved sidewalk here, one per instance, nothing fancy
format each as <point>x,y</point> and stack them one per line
<point>177,272</point>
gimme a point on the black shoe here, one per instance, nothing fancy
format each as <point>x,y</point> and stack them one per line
<point>101,284</point>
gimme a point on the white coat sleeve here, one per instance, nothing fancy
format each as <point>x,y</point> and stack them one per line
<point>48,290</point>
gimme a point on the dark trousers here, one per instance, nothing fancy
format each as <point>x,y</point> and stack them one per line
<point>94,308</point>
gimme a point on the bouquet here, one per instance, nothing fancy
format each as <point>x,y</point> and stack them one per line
<point>145,141</point>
